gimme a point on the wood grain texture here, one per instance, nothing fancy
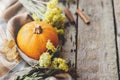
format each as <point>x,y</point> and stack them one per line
<point>117,19</point>
<point>96,53</point>
<point>69,48</point>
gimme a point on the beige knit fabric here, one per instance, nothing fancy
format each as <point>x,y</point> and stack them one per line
<point>10,14</point>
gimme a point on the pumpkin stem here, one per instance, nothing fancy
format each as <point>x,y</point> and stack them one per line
<point>38,29</point>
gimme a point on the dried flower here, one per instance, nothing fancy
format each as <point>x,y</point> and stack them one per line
<point>59,63</point>
<point>45,60</point>
<point>50,46</point>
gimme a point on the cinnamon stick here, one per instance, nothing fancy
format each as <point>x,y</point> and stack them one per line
<point>82,15</point>
<point>69,15</point>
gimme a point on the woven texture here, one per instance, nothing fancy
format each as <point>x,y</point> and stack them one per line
<point>9,14</point>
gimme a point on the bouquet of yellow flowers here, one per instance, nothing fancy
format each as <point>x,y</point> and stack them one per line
<point>49,64</point>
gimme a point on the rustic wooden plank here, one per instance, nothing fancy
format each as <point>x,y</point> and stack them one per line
<point>96,53</point>
<point>117,19</point>
<point>69,48</point>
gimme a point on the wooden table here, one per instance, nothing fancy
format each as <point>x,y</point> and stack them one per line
<point>95,48</point>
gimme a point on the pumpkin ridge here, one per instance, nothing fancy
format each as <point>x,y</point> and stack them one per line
<point>40,40</point>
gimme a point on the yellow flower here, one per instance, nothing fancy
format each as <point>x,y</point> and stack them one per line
<point>52,4</point>
<point>59,63</point>
<point>50,46</point>
<point>35,17</point>
<point>59,31</point>
<point>45,60</point>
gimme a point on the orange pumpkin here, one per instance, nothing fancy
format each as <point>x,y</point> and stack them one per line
<point>33,36</point>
